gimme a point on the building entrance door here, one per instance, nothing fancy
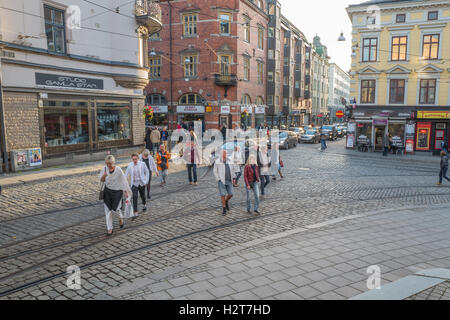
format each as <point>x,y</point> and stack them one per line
<point>379,137</point>
<point>225,120</point>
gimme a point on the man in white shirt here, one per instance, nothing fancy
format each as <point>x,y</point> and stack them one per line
<point>225,174</point>
<point>138,175</point>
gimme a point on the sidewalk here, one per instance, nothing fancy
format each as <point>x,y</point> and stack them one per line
<point>42,174</point>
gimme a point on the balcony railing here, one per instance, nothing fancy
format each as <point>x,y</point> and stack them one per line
<point>229,80</point>
<point>148,13</point>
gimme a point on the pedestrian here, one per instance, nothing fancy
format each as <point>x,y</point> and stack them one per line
<point>191,156</point>
<point>323,142</point>
<point>138,175</point>
<point>162,159</point>
<point>444,145</point>
<point>148,141</point>
<point>386,144</point>
<point>263,161</point>
<point>275,160</point>
<point>225,174</point>
<point>444,167</point>
<point>165,137</point>
<point>252,178</point>
<point>155,137</point>
<point>280,166</point>
<point>238,161</point>
<point>224,133</point>
<point>115,187</point>
<point>147,158</point>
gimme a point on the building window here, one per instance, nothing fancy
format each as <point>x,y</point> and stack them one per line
<point>155,67</point>
<point>270,76</point>
<point>371,20</point>
<point>155,36</point>
<point>271,54</point>
<point>430,48</point>
<point>55,29</point>
<point>190,98</point>
<point>286,61</point>
<point>271,32</point>
<point>271,9</point>
<point>370,49</point>
<point>190,24</point>
<point>225,23</point>
<point>65,123</point>
<point>259,101</point>
<point>260,70</point>
<point>286,80</point>
<point>225,64</point>
<point>155,99</point>
<point>246,99</point>
<point>277,77</point>
<point>286,102</point>
<point>247,29</point>
<point>397,91</point>
<point>270,100</point>
<point>114,121</point>
<point>400,18</point>
<point>368,91</point>
<point>260,38</point>
<point>399,48</point>
<point>427,91</point>
<point>190,66</point>
<point>246,68</point>
<point>432,15</point>
<point>297,84</point>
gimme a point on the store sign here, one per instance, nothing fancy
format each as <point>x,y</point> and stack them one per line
<point>54,80</point>
<point>225,109</point>
<point>380,122</point>
<point>190,109</point>
<point>433,114</point>
<point>260,110</point>
<point>160,109</point>
<point>246,107</point>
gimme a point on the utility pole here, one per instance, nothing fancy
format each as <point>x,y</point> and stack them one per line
<point>2,120</point>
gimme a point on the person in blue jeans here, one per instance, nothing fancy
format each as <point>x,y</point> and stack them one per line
<point>225,174</point>
<point>165,138</point>
<point>444,167</point>
<point>323,142</point>
<point>252,180</point>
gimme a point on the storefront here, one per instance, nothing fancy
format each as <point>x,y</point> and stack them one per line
<point>190,113</point>
<point>160,117</point>
<point>246,115</point>
<point>225,117</point>
<point>260,112</point>
<point>432,128</point>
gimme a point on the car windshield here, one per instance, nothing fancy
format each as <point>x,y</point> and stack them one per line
<point>283,135</point>
<point>327,128</point>
<point>310,132</point>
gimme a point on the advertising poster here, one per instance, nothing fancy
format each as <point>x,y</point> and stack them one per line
<point>350,140</point>
<point>35,157</point>
<point>21,158</point>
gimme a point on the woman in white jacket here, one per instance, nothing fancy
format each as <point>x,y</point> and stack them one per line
<point>115,187</point>
<point>138,175</point>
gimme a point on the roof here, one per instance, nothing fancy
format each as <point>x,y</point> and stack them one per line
<point>373,2</point>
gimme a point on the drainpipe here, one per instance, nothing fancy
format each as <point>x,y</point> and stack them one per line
<point>2,121</point>
<point>170,53</point>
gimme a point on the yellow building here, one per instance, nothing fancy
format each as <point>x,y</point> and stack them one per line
<point>400,72</point>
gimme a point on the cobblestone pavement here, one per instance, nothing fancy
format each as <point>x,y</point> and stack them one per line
<point>48,226</point>
<point>439,292</point>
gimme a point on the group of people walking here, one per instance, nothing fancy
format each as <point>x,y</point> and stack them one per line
<point>120,190</point>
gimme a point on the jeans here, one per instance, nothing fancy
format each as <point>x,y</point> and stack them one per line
<point>386,151</point>
<point>136,192</point>
<point>255,195</point>
<point>323,144</point>
<point>149,184</point>
<point>443,174</point>
<point>155,147</point>
<point>192,169</point>
<point>163,175</point>
<point>239,174</point>
<point>226,188</point>
<point>265,180</point>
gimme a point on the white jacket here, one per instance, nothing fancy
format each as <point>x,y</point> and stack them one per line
<point>219,170</point>
<point>151,163</point>
<point>143,170</point>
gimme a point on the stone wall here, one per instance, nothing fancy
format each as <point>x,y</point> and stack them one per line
<point>21,120</point>
<point>138,121</point>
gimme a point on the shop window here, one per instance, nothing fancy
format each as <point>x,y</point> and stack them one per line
<point>55,29</point>
<point>364,130</point>
<point>430,48</point>
<point>427,94</point>
<point>113,121</point>
<point>397,132</point>
<point>191,98</point>
<point>190,24</point>
<point>225,23</point>
<point>65,123</point>
<point>399,48</point>
<point>397,91</point>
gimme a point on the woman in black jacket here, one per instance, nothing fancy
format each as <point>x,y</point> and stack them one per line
<point>148,142</point>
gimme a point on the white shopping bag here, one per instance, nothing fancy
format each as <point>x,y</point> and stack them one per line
<point>127,207</point>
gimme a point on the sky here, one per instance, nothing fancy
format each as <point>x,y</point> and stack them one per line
<point>326,18</point>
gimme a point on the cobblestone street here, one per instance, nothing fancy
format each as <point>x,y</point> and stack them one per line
<point>333,215</point>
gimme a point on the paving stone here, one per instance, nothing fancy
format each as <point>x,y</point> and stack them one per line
<point>306,292</point>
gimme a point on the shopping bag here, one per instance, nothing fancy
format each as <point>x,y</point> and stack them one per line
<point>127,206</point>
<point>101,194</point>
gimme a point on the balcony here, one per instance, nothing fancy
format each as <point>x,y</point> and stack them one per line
<point>229,80</point>
<point>148,14</point>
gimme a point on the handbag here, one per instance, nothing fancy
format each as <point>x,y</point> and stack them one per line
<point>281,163</point>
<point>127,206</point>
<point>101,195</point>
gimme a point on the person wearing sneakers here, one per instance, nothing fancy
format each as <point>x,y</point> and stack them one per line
<point>162,159</point>
<point>191,157</point>
<point>225,174</point>
<point>138,175</point>
<point>444,167</point>
<point>252,180</point>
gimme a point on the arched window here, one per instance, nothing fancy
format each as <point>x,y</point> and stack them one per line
<point>156,99</point>
<point>191,98</point>
<point>259,101</point>
<point>246,99</point>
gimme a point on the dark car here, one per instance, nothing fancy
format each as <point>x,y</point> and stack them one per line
<point>330,131</point>
<point>310,136</point>
<point>288,139</point>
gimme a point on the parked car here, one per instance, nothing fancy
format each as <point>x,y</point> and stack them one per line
<point>310,136</point>
<point>288,139</point>
<point>330,131</point>
<point>299,132</point>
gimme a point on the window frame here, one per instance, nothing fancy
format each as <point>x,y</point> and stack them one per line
<point>54,25</point>
<point>400,15</point>
<point>191,66</point>
<point>398,48</point>
<point>230,20</point>
<point>261,37</point>
<point>260,72</point>
<point>221,64</point>
<point>396,88</point>
<point>433,12</point>
<point>370,46</point>
<point>197,99</point>
<point>152,66</point>
<point>246,68</point>
<point>431,46</point>
<point>190,24</point>
<point>365,98</point>
<point>246,25</point>
<point>427,91</point>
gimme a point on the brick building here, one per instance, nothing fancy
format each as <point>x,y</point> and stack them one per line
<point>209,63</point>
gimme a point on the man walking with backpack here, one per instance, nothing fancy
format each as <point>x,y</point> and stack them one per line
<point>162,159</point>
